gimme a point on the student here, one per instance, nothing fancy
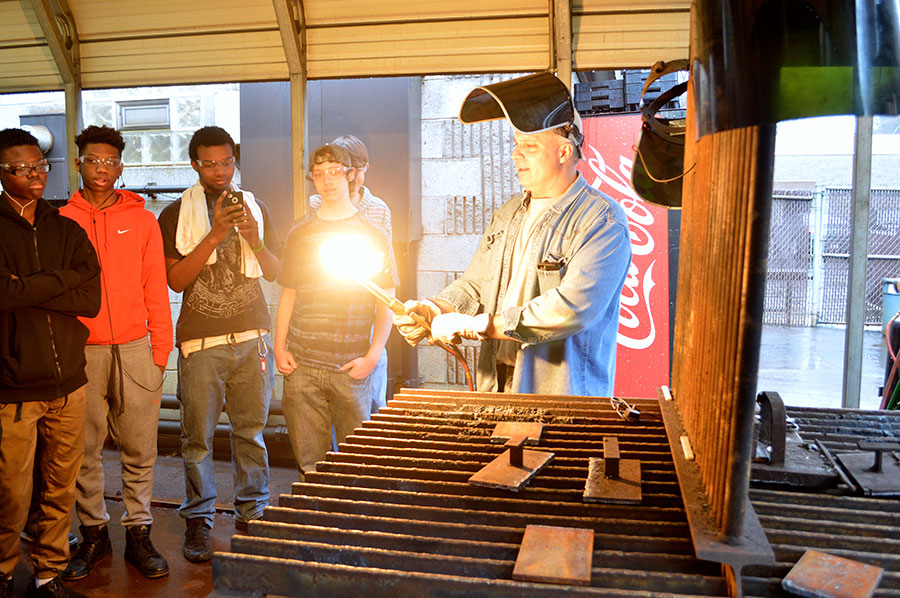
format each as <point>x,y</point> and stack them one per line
<point>124,370</point>
<point>49,276</point>
<point>377,213</point>
<point>542,291</point>
<point>329,332</point>
<point>215,256</point>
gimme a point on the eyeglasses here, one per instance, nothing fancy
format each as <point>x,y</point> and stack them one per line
<point>331,173</point>
<point>22,169</point>
<point>211,164</point>
<point>95,162</point>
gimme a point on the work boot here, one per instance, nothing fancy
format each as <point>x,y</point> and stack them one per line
<point>54,588</point>
<point>94,547</point>
<point>197,546</point>
<point>139,551</point>
<point>7,588</point>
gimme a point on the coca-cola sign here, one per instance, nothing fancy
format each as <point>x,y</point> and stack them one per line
<point>642,361</point>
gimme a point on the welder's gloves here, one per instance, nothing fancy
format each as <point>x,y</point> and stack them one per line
<point>412,331</point>
<point>449,328</point>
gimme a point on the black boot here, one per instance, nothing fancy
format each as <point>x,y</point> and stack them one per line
<point>197,545</point>
<point>139,551</point>
<point>7,588</point>
<point>94,547</point>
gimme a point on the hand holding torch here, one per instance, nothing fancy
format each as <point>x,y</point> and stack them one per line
<point>349,256</point>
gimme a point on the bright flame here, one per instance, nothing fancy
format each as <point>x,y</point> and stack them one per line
<point>349,256</point>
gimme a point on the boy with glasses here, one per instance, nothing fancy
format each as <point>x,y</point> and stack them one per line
<point>215,256</point>
<point>329,332</point>
<point>124,370</point>
<point>376,212</point>
<point>49,276</point>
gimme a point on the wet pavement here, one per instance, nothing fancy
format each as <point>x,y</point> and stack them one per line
<point>805,365</point>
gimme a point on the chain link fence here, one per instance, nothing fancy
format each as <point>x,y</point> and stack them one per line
<point>809,255</point>
<point>883,251</point>
<point>788,299</point>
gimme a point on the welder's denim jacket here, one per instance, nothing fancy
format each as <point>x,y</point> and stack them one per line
<point>577,263</point>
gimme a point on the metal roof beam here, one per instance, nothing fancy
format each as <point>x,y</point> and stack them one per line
<point>61,35</point>
<point>292,25</point>
<point>561,39</point>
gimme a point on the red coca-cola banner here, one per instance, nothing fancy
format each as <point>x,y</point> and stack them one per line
<point>642,361</point>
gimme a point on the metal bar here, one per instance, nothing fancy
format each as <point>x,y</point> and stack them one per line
<point>292,26</point>
<point>61,34</point>
<point>561,36</point>
<point>856,291</point>
<point>754,286</point>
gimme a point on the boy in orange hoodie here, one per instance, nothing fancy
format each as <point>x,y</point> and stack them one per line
<point>124,370</point>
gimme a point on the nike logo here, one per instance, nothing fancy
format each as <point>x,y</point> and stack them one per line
<point>122,232</point>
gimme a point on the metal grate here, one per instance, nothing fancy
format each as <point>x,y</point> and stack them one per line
<point>392,513</point>
<point>863,529</point>
<point>788,297</point>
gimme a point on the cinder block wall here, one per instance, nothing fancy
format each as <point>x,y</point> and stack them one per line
<point>467,173</point>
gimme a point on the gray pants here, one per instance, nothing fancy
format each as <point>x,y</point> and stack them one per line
<point>123,398</point>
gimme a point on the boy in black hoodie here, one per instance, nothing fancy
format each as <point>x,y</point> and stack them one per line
<point>49,275</point>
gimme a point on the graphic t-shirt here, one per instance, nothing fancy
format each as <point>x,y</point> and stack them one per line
<point>220,300</point>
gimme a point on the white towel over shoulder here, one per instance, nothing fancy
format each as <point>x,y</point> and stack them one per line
<point>194,225</point>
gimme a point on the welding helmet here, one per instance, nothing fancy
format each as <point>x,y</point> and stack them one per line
<point>659,155</point>
<point>531,104</point>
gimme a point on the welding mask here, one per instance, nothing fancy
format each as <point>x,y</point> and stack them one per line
<point>531,104</point>
<point>659,157</point>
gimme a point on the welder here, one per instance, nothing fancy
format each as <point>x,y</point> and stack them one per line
<point>542,291</point>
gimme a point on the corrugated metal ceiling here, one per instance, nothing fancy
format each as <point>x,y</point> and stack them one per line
<point>129,43</point>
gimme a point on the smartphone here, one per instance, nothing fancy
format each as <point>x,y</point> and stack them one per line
<point>233,198</point>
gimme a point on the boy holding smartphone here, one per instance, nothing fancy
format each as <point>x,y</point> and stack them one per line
<point>215,255</point>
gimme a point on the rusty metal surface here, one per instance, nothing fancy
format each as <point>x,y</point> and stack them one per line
<point>512,470</point>
<point>392,513</point>
<point>553,554</point>
<point>623,488</point>
<point>865,529</point>
<point>822,575</point>
<point>782,455</point>
<point>736,553</point>
<point>530,431</point>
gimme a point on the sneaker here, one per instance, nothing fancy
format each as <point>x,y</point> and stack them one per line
<point>197,546</point>
<point>139,551</point>
<point>7,588</point>
<point>95,546</point>
<point>54,588</point>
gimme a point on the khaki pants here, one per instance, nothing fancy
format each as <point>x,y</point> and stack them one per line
<point>60,425</point>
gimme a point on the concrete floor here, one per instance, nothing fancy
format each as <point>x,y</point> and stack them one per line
<point>805,366</point>
<point>113,578</point>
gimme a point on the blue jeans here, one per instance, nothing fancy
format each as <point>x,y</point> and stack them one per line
<point>314,400</point>
<point>228,375</point>
<point>379,383</point>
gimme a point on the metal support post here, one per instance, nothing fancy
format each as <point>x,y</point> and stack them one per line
<point>856,292</point>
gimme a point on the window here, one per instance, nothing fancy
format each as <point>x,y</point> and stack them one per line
<point>143,114</point>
